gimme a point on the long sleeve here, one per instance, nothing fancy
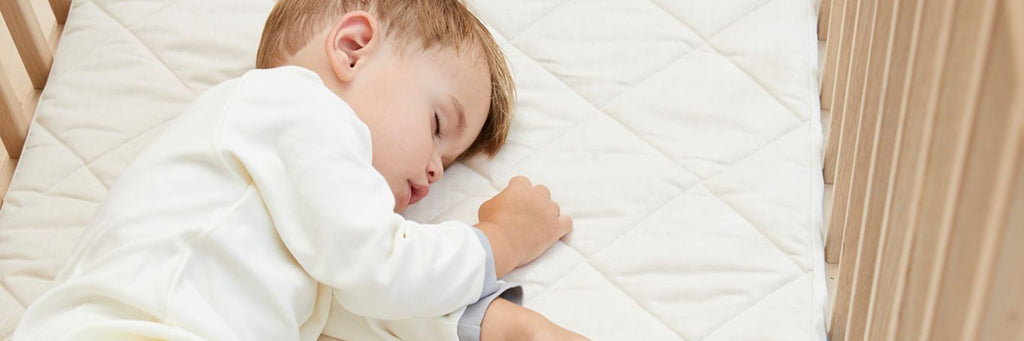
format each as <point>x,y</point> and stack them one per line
<point>472,318</point>
<point>309,156</point>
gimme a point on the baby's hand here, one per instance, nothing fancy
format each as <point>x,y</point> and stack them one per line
<point>521,223</point>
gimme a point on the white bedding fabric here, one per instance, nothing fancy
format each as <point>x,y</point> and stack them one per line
<point>682,135</point>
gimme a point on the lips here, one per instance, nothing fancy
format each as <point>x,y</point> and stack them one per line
<point>417,192</point>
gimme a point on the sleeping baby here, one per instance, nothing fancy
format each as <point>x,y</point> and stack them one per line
<point>278,192</point>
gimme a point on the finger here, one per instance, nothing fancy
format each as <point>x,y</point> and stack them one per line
<point>565,222</point>
<point>553,210</point>
<point>519,180</point>
<point>543,190</point>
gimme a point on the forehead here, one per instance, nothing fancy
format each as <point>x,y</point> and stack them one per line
<point>464,71</point>
<point>460,76</point>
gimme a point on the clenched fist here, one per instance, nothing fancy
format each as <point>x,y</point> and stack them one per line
<point>521,223</point>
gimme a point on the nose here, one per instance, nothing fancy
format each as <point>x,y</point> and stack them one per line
<point>435,169</point>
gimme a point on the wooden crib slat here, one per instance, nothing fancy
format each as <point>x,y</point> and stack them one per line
<point>989,167</point>
<point>833,44</point>
<point>13,119</point>
<point>1004,303</point>
<point>833,84</point>
<point>873,163</point>
<point>7,165</point>
<point>60,10</point>
<point>890,264</point>
<point>823,14</point>
<point>848,165</point>
<point>841,122</point>
<point>29,37</point>
<point>944,170</point>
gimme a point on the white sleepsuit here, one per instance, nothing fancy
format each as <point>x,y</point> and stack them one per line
<point>239,223</point>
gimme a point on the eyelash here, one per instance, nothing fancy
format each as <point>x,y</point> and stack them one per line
<point>437,124</point>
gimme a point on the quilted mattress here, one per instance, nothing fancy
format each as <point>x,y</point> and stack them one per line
<point>682,135</point>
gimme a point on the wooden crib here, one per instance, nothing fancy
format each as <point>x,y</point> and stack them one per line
<point>29,32</point>
<point>924,152</point>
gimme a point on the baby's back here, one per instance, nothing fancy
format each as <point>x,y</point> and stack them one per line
<point>183,248</point>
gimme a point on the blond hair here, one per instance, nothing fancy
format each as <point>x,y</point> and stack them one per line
<point>431,23</point>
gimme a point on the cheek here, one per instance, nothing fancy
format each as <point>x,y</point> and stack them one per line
<point>400,148</point>
<point>401,132</point>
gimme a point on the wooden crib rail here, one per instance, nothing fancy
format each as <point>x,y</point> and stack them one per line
<point>29,32</point>
<point>926,155</point>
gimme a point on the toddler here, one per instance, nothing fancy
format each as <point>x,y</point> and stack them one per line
<point>276,192</point>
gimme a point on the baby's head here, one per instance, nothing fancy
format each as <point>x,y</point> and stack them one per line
<point>424,75</point>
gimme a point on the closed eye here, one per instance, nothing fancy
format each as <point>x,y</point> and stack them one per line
<point>437,125</point>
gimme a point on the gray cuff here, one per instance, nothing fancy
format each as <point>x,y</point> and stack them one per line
<point>490,277</point>
<point>473,317</point>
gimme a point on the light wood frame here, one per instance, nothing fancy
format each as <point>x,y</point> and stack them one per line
<point>29,33</point>
<point>925,155</point>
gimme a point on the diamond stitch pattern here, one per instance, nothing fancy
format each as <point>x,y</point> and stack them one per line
<point>602,58</point>
<point>701,138</point>
<point>709,17</point>
<point>678,235</point>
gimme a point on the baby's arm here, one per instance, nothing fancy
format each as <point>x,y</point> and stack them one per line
<point>519,211</point>
<point>507,321</point>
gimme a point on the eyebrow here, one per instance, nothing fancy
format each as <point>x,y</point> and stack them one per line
<point>460,111</point>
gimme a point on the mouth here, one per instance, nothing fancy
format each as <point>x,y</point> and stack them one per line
<point>417,192</point>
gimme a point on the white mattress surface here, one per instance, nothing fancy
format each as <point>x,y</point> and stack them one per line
<point>683,136</point>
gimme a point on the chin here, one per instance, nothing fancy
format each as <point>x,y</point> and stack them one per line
<point>399,208</point>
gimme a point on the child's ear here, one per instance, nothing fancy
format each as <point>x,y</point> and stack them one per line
<point>349,41</point>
